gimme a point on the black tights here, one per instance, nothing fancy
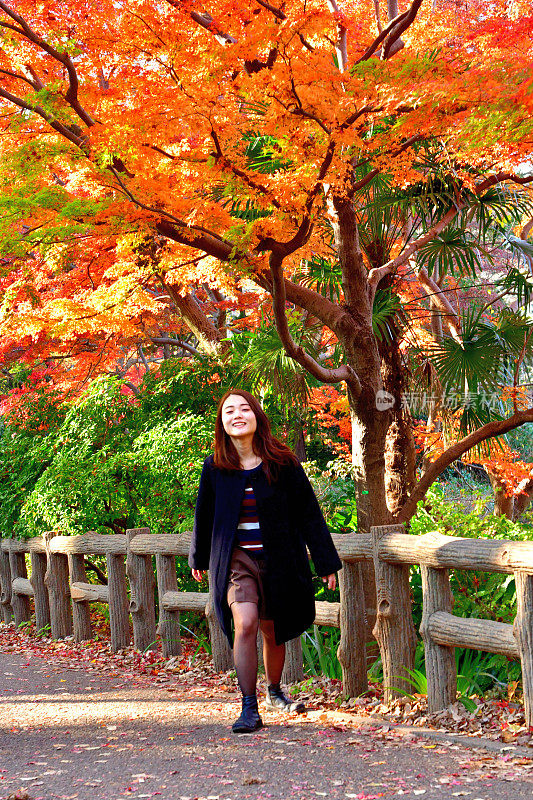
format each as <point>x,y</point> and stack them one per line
<point>247,621</point>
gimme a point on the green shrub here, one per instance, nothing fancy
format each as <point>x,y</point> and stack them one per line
<point>109,466</point>
<point>476,594</point>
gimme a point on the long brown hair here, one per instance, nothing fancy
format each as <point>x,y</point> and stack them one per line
<point>272,452</point>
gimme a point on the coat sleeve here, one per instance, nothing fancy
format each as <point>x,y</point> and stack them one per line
<point>204,515</point>
<point>313,527</point>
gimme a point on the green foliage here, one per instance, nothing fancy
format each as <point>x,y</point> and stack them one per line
<point>388,316</point>
<point>521,440</point>
<point>476,594</point>
<point>334,488</point>
<point>452,252</point>
<point>322,275</point>
<point>437,513</point>
<point>475,369</point>
<point>264,154</point>
<point>112,461</point>
<point>517,281</point>
<point>261,362</point>
<point>109,465</point>
<point>475,674</point>
<point>319,648</point>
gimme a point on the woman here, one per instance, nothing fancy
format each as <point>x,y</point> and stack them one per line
<point>255,514</point>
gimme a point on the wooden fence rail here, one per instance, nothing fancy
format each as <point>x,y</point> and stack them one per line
<point>62,594</point>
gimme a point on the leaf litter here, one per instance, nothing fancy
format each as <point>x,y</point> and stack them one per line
<point>369,720</point>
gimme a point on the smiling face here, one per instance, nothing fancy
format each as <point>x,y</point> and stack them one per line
<point>238,418</point>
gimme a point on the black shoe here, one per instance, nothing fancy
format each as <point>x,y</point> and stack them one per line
<point>249,721</point>
<point>276,699</point>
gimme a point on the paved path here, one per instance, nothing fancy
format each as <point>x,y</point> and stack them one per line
<point>69,732</point>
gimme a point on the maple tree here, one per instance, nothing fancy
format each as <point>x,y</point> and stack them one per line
<point>159,161</point>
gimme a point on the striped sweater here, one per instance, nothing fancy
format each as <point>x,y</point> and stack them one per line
<point>248,529</point>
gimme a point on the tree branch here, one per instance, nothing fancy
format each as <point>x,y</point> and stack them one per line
<point>197,238</point>
<point>343,373</point>
<point>225,163</point>
<point>410,251</point>
<point>205,21</point>
<point>143,357</point>
<point>175,343</point>
<point>449,315</point>
<point>281,16</point>
<point>518,364</point>
<point>341,46</point>
<point>79,141</point>
<point>377,16</point>
<point>63,58</point>
<point>16,75</point>
<point>390,29</point>
<point>487,431</point>
<point>403,21</point>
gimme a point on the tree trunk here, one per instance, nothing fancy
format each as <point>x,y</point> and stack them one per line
<point>369,431</point>
<point>434,423</point>
<point>210,338</point>
<point>400,444</point>
<point>369,421</point>
<point>522,498</point>
<point>503,502</point>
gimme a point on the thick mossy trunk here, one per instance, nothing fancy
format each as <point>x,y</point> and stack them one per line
<point>369,430</point>
<point>370,419</point>
<point>503,502</point>
<point>400,454</point>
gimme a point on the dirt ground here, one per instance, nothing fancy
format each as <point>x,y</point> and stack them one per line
<point>70,729</point>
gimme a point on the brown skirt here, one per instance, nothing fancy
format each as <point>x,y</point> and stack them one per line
<point>245,583</point>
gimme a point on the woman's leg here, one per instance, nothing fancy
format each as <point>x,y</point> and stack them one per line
<point>273,654</point>
<point>246,619</point>
<point>274,658</point>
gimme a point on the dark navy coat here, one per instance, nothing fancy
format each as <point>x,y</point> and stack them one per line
<point>290,518</point>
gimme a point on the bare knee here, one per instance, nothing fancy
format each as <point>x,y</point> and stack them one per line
<point>246,619</point>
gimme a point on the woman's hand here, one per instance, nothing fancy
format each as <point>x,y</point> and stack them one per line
<point>198,574</point>
<point>331,581</point>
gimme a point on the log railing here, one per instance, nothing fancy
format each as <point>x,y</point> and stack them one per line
<point>62,594</point>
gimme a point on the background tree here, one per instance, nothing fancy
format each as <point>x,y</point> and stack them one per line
<point>149,132</point>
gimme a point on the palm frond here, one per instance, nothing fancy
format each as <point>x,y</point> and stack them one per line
<point>322,275</point>
<point>263,154</point>
<point>388,316</point>
<point>453,252</point>
<point>263,361</point>
<point>245,210</point>
<point>499,207</point>
<point>486,355</point>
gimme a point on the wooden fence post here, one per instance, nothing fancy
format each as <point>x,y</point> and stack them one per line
<point>5,586</point>
<point>80,608</point>
<point>20,602</point>
<point>119,604</point>
<point>142,602</point>
<point>394,629</point>
<point>441,670</point>
<point>221,652</point>
<point>293,671</point>
<point>57,582</point>
<point>352,646</point>
<point>523,631</point>
<point>40,592</point>
<point>169,621</point>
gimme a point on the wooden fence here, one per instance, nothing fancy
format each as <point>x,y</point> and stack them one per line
<point>62,595</point>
